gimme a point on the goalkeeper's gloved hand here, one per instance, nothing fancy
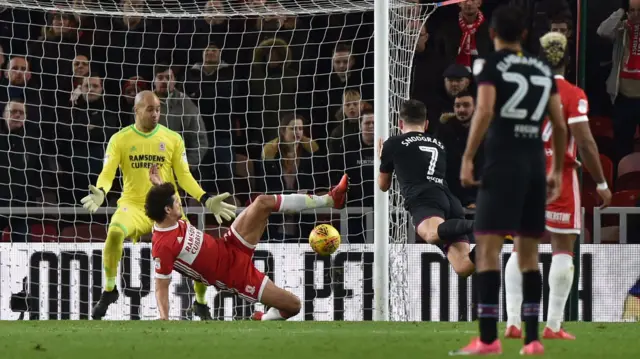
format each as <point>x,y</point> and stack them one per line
<point>221,210</point>
<point>93,200</point>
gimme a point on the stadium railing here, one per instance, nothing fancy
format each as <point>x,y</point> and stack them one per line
<point>622,212</point>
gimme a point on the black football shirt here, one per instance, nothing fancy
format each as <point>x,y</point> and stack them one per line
<point>419,161</point>
<point>523,86</point>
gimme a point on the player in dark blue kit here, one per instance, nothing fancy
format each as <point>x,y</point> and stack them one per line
<point>419,162</point>
<point>515,92</point>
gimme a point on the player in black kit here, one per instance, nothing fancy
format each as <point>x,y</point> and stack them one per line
<point>515,92</point>
<point>420,165</point>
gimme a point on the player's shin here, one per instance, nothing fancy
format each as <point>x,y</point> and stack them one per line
<point>112,254</point>
<point>453,229</point>
<point>513,291</point>
<point>288,203</point>
<point>532,292</point>
<point>560,281</point>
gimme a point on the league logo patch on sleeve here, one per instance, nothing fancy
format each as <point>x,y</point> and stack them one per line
<point>106,159</point>
<point>478,65</point>
<point>157,264</point>
<point>583,106</point>
<point>184,157</point>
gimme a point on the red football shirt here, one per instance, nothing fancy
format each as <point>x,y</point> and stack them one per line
<point>186,250</point>
<point>575,108</point>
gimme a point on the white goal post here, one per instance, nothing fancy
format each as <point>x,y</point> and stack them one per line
<point>49,241</point>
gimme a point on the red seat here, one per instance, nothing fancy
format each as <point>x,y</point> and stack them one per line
<point>590,199</point>
<point>84,233</point>
<point>601,126</point>
<point>628,181</point>
<point>44,232</point>
<point>620,199</point>
<point>587,236</point>
<point>607,169</point>
<point>6,235</point>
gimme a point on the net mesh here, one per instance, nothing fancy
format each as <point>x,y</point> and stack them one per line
<point>269,96</point>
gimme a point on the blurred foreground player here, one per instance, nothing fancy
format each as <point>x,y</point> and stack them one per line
<point>224,262</point>
<point>564,214</point>
<point>419,162</point>
<point>519,89</point>
<point>134,149</point>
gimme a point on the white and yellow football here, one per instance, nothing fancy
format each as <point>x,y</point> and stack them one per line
<point>324,239</point>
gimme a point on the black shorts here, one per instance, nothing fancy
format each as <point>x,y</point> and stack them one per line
<point>436,202</point>
<point>511,200</point>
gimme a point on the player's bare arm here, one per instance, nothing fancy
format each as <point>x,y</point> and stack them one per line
<point>479,125</point>
<point>559,144</point>
<point>384,179</point>
<point>162,297</point>
<point>591,158</point>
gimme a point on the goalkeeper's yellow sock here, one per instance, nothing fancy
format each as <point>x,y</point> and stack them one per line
<point>112,255</point>
<point>201,292</point>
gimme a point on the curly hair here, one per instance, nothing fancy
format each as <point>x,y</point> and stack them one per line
<point>553,48</point>
<point>158,198</point>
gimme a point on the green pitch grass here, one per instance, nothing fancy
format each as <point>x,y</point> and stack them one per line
<point>283,340</point>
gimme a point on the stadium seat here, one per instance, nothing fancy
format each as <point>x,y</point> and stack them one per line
<point>628,181</point>
<point>6,235</point>
<point>587,236</point>
<point>601,126</point>
<point>606,146</point>
<point>625,198</point>
<point>610,234</point>
<point>84,233</point>
<point>607,168</point>
<point>629,163</point>
<point>44,232</point>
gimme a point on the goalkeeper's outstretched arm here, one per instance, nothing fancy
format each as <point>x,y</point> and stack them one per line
<point>105,180</point>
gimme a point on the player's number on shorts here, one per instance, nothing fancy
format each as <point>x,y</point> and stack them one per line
<point>434,158</point>
<point>511,110</point>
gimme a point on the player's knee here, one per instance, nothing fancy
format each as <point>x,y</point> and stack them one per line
<point>115,234</point>
<point>528,260</point>
<point>429,235</point>
<point>292,305</point>
<point>264,202</point>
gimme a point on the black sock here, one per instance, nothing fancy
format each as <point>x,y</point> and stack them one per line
<point>472,255</point>
<point>488,311</point>
<point>453,229</point>
<point>531,294</point>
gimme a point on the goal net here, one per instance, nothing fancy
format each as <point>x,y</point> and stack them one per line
<point>269,97</point>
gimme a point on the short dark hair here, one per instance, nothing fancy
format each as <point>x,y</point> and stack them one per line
<point>507,22</point>
<point>465,93</point>
<point>342,47</point>
<point>160,68</point>
<point>158,198</point>
<point>413,112</point>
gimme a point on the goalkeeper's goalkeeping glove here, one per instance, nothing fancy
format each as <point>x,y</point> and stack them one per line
<point>93,200</point>
<point>221,210</point>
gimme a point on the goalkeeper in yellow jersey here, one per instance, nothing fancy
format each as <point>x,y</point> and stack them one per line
<point>135,149</point>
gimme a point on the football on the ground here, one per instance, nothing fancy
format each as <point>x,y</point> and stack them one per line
<point>324,239</point>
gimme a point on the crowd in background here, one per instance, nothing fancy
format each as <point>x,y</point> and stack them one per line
<point>265,104</point>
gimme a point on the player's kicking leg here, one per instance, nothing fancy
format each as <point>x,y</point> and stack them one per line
<point>457,251</point>
<point>250,226</point>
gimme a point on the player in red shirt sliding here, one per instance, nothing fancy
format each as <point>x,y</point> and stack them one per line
<point>564,214</point>
<point>224,262</point>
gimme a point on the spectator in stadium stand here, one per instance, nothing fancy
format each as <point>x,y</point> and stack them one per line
<point>456,79</point>
<point>454,131</point>
<point>329,89</point>
<point>17,82</point>
<point>541,12</point>
<point>427,67</point>
<point>81,136</point>
<point>196,35</point>
<point>347,121</point>
<point>290,164</point>
<point>564,25</point>
<point>144,40</point>
<point>53,54</point>
<point>130,89</point>
<point>209,84</point>
<point>623,84</point>
<point>17,27</point>
<point>20,166</point>
<point>272,89</point>
<point>180,114</point>
<point>79,72</point>
<point>461,42</point>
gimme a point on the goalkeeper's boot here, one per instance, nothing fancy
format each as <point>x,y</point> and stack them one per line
<point>100,310</point>
<point>339,192</point>
<point>548,333</point>
<point>477,347</point>
<point>201,310</point>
